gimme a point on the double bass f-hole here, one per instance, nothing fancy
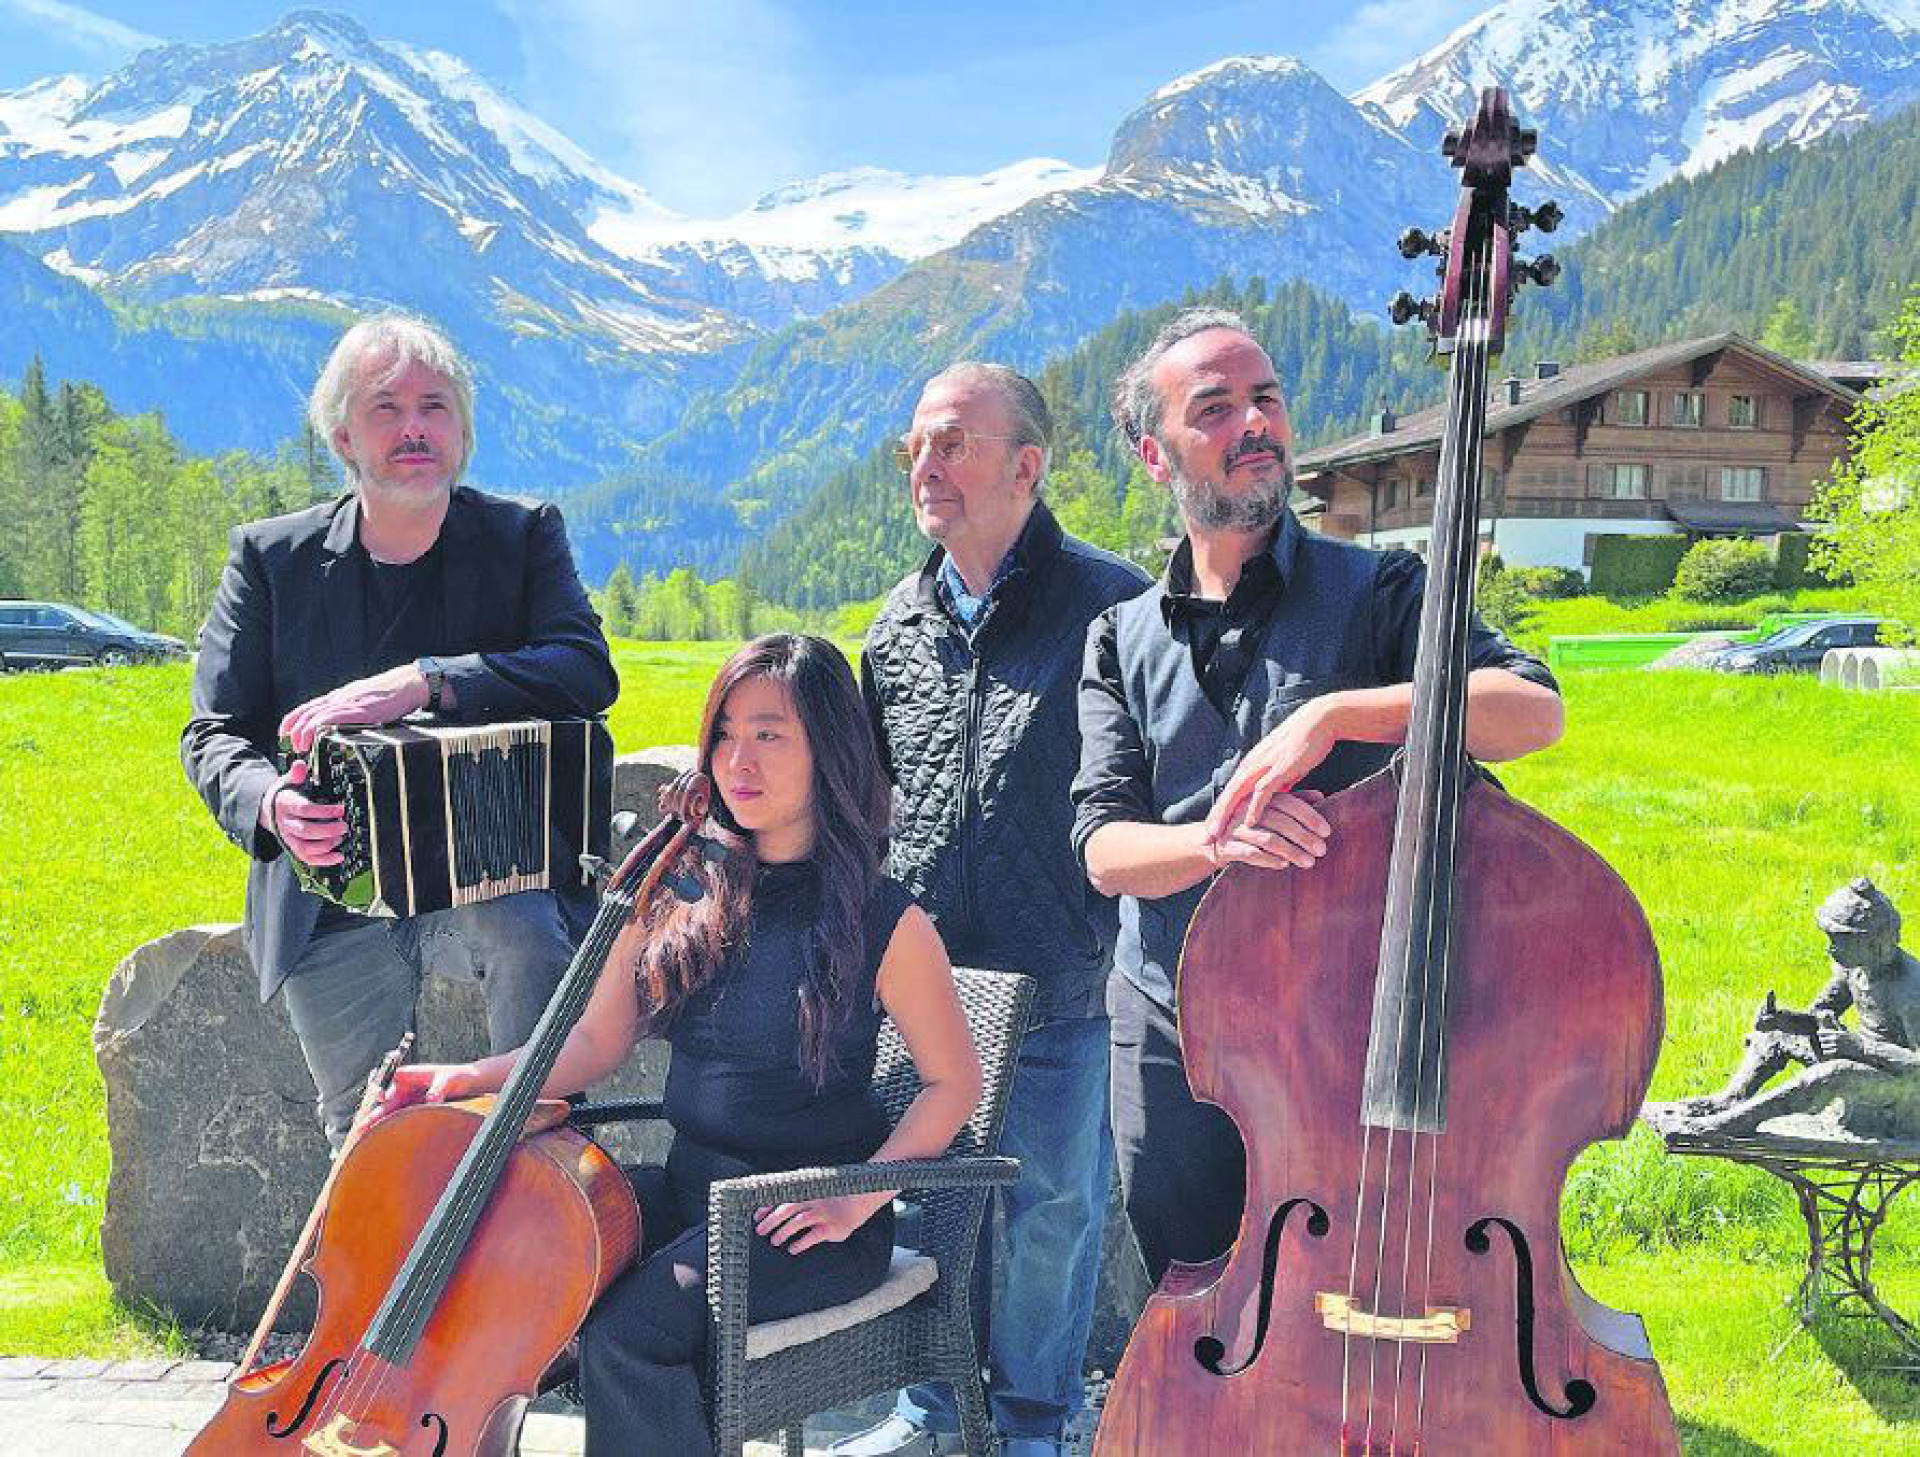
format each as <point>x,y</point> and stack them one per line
<point>1580,1394</point>
<point>1211,1351</point>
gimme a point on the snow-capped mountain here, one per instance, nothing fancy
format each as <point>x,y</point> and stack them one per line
<point>1626,93</point>
<point>315,168</point>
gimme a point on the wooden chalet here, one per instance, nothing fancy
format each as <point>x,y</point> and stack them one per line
<point>1710,437</point>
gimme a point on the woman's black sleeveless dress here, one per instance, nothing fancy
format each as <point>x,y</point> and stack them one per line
<point>740,1103</point>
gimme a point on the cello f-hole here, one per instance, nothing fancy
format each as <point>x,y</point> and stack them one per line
<point>1210,1351</point>
<point>306,1407</point>
<point>433,1419</point>
<point>1580,1394</point>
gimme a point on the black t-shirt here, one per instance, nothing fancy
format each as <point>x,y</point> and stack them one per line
<point>736,1086</point>
<point>405,616</point>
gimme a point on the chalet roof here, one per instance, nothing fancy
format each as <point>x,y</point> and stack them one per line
<point>1574,382</point>
<point>1757,517</point>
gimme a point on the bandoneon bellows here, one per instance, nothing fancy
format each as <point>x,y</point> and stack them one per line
<point>442,815</point>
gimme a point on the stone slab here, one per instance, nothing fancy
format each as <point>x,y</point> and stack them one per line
<point>149,1370</point>
<point>14,1367</point>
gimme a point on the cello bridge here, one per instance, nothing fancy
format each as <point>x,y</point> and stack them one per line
<point>1439,1326</point>
<point>332,1442</point>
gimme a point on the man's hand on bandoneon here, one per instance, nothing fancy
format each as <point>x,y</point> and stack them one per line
<point>310,830</point>
<point>379,699</point>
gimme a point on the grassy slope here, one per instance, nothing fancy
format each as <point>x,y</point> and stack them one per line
<point>1731,806</point>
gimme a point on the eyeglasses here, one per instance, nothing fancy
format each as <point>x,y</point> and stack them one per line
<point>951,444</point>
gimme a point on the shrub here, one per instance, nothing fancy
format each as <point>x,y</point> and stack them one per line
<point>1498,599</point>
<point>1792,570</point>
<point>1724,571</point>
<point>1636,566</point>
<point>1548,584</point>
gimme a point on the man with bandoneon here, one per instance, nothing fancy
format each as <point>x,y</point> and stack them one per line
<point>409,591</point>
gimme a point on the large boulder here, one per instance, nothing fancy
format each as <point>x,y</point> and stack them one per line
<point>216,1148</point>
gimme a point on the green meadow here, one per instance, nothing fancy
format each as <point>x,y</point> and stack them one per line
<point>1731,806</point>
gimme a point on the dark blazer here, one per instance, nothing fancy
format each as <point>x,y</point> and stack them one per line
<point>288,624</point>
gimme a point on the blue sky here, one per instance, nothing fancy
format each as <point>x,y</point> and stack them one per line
<point>710,103</point>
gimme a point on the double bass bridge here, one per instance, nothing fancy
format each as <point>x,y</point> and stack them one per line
<point>1440,1326</point>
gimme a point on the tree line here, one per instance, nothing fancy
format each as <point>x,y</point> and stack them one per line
<point>107,511</point>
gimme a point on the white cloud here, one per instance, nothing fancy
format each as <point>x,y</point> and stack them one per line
<point>1383,35</point>
<point>702,104</point>
<point>96,34</point>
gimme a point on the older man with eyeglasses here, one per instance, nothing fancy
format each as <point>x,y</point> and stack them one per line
<point>971,672</point>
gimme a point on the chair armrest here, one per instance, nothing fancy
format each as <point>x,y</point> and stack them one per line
<point>731,1203</point>
<point>623,1110</point>
<point>728,1197</point>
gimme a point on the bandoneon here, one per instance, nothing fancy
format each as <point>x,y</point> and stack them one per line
<point>442,815</point>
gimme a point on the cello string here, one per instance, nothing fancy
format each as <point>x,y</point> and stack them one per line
<point>367,1373</point>
<point>1460,606</point>
<point>1455,412</point>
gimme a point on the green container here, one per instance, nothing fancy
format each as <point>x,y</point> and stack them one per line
<point>1613,649</point>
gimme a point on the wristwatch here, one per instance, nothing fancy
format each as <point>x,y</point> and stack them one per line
<point>436,675</point>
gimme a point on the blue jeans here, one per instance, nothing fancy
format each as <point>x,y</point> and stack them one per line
<point>351,995</point>
<point>1037,1329</point>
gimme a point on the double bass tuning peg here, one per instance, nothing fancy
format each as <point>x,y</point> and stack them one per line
<point>1545,217</point>
<point>1415,242</point>
<point>1404,307</point>
<point>1541,271</point>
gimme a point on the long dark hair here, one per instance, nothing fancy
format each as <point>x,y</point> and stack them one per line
<point>687,943</point>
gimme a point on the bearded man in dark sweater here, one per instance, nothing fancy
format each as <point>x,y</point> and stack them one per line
<point>971,674</point>
<point>1269,666</point>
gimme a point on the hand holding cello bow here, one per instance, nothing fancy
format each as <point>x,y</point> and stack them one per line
<point>1414,1039</point>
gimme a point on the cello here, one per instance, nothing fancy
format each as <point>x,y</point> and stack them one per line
<point>1416,1039</point>
<point>440,1243</point>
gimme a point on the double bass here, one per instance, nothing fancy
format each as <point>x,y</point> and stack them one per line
<point>457,1246</point>
<point>1416,1038</point>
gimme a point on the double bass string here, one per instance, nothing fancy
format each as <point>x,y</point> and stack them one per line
<point>1439,731</point>
<point>1459,606</point>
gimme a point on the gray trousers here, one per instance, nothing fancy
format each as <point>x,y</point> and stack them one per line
<point>351,996</point>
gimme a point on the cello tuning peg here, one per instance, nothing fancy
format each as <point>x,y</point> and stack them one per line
<point>1526,141</point>
<point>1416,241</point>
<point>1449,142</point>
<point>684,886</point>
<point>1404,308</point>
<point>1542,270</point>
<point>624,824</point>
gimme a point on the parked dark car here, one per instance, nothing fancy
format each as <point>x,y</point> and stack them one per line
<point>55,635</point>
<point>1798,648</point>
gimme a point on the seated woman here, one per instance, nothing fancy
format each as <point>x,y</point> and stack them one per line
<point>770,989</point>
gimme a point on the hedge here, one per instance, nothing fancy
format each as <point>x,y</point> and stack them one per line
<point>1636,566</point>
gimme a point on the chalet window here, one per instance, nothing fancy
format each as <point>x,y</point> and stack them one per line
<point>1629,407</point>
<point>1743,412</point>
<point>1689,409</point>
<point>1685,479</point>
<point>1743,482</point>
<point>1620,482</point>
<point>1390,495</point>
<point>1422,488</point>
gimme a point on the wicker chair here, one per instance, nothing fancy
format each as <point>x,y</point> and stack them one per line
<point>928,1338</point>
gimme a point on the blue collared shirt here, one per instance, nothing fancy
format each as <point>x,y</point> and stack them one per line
<point>954,595</point>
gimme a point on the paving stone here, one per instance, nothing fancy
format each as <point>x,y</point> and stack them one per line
<point>201,1371</point>
<point>13,1367</point>
<point>70,1370</point>
<point>150,1370</point>
<point>18,1388</point>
